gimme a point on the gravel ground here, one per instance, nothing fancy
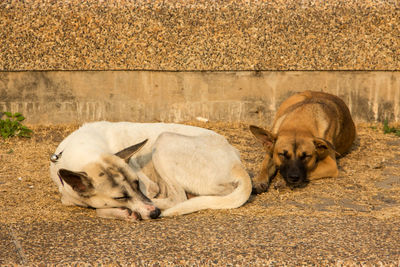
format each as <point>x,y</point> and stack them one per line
<point>350,220</point>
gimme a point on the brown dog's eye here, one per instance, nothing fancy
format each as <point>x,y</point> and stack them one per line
<point>304,156</point>
<point>284,154</point>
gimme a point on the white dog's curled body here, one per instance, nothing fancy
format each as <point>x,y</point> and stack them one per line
<point>176,160</point>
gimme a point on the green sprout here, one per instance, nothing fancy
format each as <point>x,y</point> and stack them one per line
<point>387,129</point>
<point>11,125</point>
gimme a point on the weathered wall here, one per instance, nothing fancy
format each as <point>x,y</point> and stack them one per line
<point>58,97</point>
<point>200,35</point>
<point>75,61</point>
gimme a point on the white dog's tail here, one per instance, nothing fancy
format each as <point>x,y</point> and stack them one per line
<point>237,198</point>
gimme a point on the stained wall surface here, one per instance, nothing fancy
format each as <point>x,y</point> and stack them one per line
<point>253,97</point>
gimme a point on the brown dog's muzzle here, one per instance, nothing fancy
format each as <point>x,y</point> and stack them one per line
<point>294,173</point>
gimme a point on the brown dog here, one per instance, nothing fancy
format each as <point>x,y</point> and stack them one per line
<point>310,129</point>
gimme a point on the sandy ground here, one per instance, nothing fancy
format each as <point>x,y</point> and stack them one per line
<point>348,220</point>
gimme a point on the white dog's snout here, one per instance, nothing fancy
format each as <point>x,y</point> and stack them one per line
<point>150,207</point>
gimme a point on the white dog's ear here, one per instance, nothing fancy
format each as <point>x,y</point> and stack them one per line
<point>267,138</point>
<point>79,181</point>
<point>128,152</point>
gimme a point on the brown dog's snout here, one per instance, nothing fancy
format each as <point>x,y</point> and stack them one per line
<point>294,172</point>
<point>293,178</point>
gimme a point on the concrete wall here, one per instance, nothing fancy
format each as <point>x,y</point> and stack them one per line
<point>236,60</point>
<point>188,35</point>
<point>61,97</point>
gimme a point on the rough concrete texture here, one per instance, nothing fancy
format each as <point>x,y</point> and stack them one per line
<point>351,220</point>
<point>253,97</point>
<point>200,35</point>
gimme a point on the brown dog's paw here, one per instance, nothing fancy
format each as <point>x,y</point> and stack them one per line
<point>259,188</point>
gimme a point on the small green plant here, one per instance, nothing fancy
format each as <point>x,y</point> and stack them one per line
<point>387,129</point>
<point>11,125</point>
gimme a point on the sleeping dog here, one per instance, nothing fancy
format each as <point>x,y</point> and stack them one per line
<point>138,171</point>
<point>309,131</point>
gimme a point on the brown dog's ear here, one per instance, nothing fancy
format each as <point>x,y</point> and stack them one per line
<point>128,152</point>
<point>323,147</point>
<point>79,181</point>
<point>267,138</point>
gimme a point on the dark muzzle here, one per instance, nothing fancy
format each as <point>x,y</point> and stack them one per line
<point>294,172</point>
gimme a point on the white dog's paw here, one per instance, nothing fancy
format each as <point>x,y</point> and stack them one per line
<point>65,200</point>
<point>169,213</point>
<point>118,213</point>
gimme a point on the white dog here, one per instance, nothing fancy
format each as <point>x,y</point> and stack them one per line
<point>171,168</point>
